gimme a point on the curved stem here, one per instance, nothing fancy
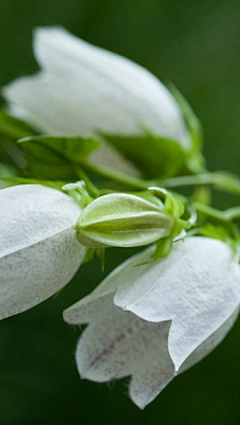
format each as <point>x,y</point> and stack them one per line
<point>192,180</point>
<point>116,176</point>
<point>139,184</point>
<point>217,180</point>
<point>232,213</point>
<point>92,189</point>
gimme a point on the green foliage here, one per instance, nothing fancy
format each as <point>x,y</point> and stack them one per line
<point>155,157</point>
<point>194,124</point>
<point>195,160</point>
<point>14,181</point>
<point>215,232</point>
<point>14,128</point>
<point>50,157</point>
<point>78,192</point>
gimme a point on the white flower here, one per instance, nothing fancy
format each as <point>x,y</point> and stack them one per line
<point>83,90</point>
<point>156,320</point>
<point>39,251</point>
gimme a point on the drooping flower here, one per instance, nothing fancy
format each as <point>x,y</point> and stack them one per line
<point>83,90</point>
<point>39,251</point>
<point>153,321</point>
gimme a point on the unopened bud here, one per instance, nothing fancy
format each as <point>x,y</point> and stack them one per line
<point>122,220</point>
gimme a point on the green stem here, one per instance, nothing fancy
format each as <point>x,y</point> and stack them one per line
<point>116,176</point>
<point>232,213</point>
<point>217,215</point>
<point>192,180</point>
<point>136,183</point>
<point>92,189</point>
<point>140,184</point>
<point>211,212</point>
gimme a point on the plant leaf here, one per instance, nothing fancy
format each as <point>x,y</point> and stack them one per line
<point>15,181</point>
<point>51,157</point>
<point>156,157</point>
<point>14,128</point>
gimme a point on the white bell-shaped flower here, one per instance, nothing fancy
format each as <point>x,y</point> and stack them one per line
<point>83,90</point>
<point>155,320</point>
<point>39,251</point>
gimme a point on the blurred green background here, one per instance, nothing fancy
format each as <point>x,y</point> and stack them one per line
<point>195,45</point>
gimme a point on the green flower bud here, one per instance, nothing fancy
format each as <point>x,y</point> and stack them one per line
<point>122,220</point>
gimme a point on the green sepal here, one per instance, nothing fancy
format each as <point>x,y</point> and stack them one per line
<point>91,253</point>
<point>51,157</point>
<point>79,192</point>
<point>150,197</point>
<point>163,248</point>
<point>155,157</point>
<point>173,206</point>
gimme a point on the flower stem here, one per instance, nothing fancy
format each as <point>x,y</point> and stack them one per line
<point>192,180</point>
<point>92,189</point>
<point>136,183</point>
<point>217,180</point>
<point>232,213</point>
<point>116,176</point>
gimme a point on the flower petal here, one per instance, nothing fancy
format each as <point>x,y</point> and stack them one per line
<point>210,343</point>
<point>155,369</point>
<point>198,291</point>
<point>168,328</point>
<point>39,251</point>
<point>32,213</point>
<point>84,89</point>
<point>117,344</point>
<point>32,275</point>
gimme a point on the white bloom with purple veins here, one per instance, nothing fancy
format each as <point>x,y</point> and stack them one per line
<point>39,251</point>
<point>154,321</point>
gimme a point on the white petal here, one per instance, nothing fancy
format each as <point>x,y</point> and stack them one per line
<point>117,344</point>
<point>88,309</point>
<point>84,89</point>
<point>32,213</point>
<point>33,274</point>
<point>198,291</point>
<point>211,342</point>
<point>39,251</point>
<point>154,370</point>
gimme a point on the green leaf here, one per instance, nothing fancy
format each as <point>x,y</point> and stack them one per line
<point>193,122</point>
<point>15,181</point>
<point>195,162</point>
<point>7,171</point>
<point>50,157</point>
<point>156,157</point>
<point>215,232</point>
<point>14,128</point>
